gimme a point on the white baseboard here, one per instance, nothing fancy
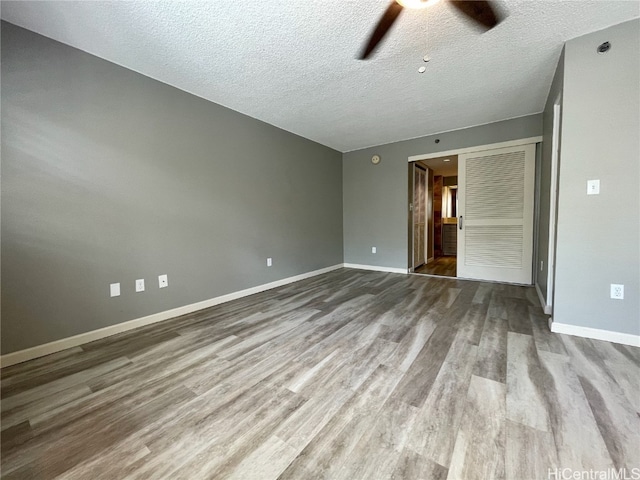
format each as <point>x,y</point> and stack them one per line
<point>376,268</point>
<point>595,333</point>
<point>64,343</point>
<point>543,303</point>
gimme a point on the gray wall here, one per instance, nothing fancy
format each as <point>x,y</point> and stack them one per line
<point>376,196</point>
<point>598,236</point>
<point>544,183</point>
<point>109,176</point>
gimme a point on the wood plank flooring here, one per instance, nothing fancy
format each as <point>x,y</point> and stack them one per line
<point>352,374</point>
<point>442,266</point>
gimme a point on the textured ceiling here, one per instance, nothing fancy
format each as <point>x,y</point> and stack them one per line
<point>292,63</point>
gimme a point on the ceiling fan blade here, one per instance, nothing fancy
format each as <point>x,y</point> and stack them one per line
<point>385,23</point>
<point>479,11</point>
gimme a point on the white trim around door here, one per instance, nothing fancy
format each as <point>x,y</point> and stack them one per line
<point>479,148</point>
<point>553,202</point>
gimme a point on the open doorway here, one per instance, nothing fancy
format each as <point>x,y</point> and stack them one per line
<point>433,222</point>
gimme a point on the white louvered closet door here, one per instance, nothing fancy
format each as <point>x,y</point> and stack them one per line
<point>495,223</point>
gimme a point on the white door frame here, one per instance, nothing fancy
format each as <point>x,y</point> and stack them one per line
<point>477,148</point>
<point>553,202</point>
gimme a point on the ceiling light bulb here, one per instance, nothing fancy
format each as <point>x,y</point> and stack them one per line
<point>417,3</point>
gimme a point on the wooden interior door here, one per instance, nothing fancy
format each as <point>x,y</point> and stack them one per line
<point>419,215</point>
<point>495,222</point>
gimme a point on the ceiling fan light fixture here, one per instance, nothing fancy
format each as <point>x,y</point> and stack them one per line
<point>479,12</point>
<point>416,4</point>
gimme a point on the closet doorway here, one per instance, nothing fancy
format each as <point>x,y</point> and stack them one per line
<point>433,216</point>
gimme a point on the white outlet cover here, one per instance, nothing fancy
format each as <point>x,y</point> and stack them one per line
<point>593,187</point>
<point>374,250</point>
<point>269,262</point>
<point>163,281</point>
<point>617,291</point>
<point>140,285</point>
<point>114,289</point>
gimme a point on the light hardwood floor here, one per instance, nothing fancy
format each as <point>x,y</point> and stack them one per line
<point>348,375</point>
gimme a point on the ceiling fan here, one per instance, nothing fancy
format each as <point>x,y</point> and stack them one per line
<point>479,11</point>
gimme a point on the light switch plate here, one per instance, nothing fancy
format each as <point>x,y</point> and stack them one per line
<point>114,289</point>
<point>140,285</point>
<point>163,281</point>
<point>374,250</point>
<point>269,262</point>
<point>593,187</point>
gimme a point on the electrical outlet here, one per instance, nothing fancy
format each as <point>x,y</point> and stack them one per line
<point>617,291</point>
<point>541,265</point>
<point>114,289</point>
<point>374,250</point>
<point>163,281</point>
<point>269,262</point>
<point>140,285</point>
<point>593,187</point>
